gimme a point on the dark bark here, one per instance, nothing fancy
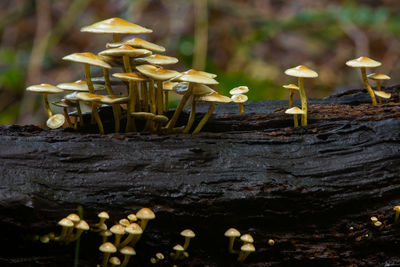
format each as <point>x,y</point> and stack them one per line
<point>303,187</point>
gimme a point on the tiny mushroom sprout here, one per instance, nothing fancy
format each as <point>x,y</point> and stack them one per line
<point>128,252</point>
<point>145,215</point>
<point>118,230</point>
<point>114,261</point>
<point>363,63</point>
<point>295,111</point>
<point>302,72</point>
<point>188,234</point>
<point>178,252</point>
<point>240,99</point>
<point>291,87</point>
<point>213,98</point>
<point>397,210</point>
<point>232,233</point>
<point>379,78</point>
<point>107,248</point>
<point>245,250</point>
<point>45,89</point>
<point>55,121</point>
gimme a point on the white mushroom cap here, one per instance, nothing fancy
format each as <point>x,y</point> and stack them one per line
<point>87,58</point>
<point>55,121</point>
<point>44,88</point>
<point>132,217</point>
<point>294,111</point>
<point>232,232</point>
<point>138,43</point>
<point>382,94</point>
<point>103,215</point>
<point>157,60</point>
<point>301,71</point>
<point>239,98</point>
<point>374,219</point>
<point>83,225</point>
<point>363,62</point>
<point>178,248</point>
<point>156,73</point>
<point>239,90</point>
<point>115,25</point>
<point>291,86</point>
<point>248,247</point>
<point>108,247</point>
<point>378,76</point>
<point>124,222</point>
<point>126,50</point>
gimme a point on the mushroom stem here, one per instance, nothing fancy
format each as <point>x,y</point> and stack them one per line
<point>396,217</point>
<point>145,97</point>
<point>115,107</point>
<point>95,113</point>
<point>166,101</point>
<point>296,121</point>
<point>367,86</point>
<point>378,87</point>
<point>67,118</point>
<point>241,108</point>
<point>159,98</point>
<point>116,37</point>
<point>178,110</point>
<point>46,105</point>
<point>191,117</point>
<point>105,259</point>
<point>78,109</point>
<point>303,101</point>
<point>231,243</point>
<point>152,95</point>
<point>243,255</point>
<point>130,125</point>
<point>291,98</point>
<point>205,118</point>
<point>125,261</point>
<point>187,242</point>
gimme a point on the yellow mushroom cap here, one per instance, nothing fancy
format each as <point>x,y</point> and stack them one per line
<point>169,86</point>
<point>102,227</point>
<point>88,97</point>
<point>291,86</point>
<point>198,89</point>
<point>378,223</point>
<point>160,256</point>
<point>247,238</point>
<point>44,88</point>
<point>248,247</point>
<point>115,261</point>
<point>127,251</point>
<point>378,76</point>
<point>115,25</point>
<point>363,62</point>
<point>239,90</point>
<point>396,208</point>
<point>199,72</point>
<point>113,99</point>
<point>178,248</point>
<point>103,215</point>
<point>138,43</point>
<point>66,222</point>
<point>195,77</point>
<point>145,214</point>
<point>82,225</point>
<point>55,121</point>
<point>132,217</point>
<point>87,58</point>
<point>214,97</point>
<point>382,94</point>
<point>124,222</point>
<point>271,242</point>
<point>301,71</point>
<point>106,233</point>
<point>232,232</point>
<point>126,50</point>
<point>134,229</point>
<point>62,103</point>
<point>79,85</point>
<point>74,217</point>
<point>374,219</point>
<point>143,115</point>
<point>188,233</point>
<point>239,98</point>
<point>108,247</point>
<point>129,76</point>
<point>157,60</point>
<point>117,229</point>
<point>156,73</point>
<point>294,111</point>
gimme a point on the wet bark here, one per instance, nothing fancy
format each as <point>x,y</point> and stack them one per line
<point>303,187</point>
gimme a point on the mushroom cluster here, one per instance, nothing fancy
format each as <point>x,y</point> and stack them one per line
<point>181,251</point>
<point>238,96</point>
<point>247,246</point>
<point>147,84</point>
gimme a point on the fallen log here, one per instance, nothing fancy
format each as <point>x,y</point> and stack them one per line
<point>311,189</point>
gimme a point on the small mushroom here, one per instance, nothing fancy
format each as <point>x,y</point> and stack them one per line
<point>240,99</point>
<point>156,60</point>
<point>295,111</point>
<point>134,232</point>
<point>378,224</point>
<point>107,248</point>
<point>45,89</point>
<point>132,218</point>
<point>145,215</point>
<point>178,252</point>
<point>245,250</point>
<point>105,234</point>
<point>379,78</point>
<point>232,233</point>
<point>291,87</point>
<point>66,225</point>
<point>114,261</point>
<point>128,252</point>
<point>374,219</point>
<point>103,216</point>
<point>271,242</point>
<point>363,63</point>
<point>247,238</point>
<point>55,121</point>
<point>188,234</point>
<point>138,43</point>
<point>64,104</point>
<point>80,228</point>
<point>118,230</point>
<point>382,94</point>
<point>397,210</point>
<point>124,222</point>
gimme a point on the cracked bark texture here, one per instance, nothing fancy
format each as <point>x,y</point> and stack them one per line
<point>303,187</point>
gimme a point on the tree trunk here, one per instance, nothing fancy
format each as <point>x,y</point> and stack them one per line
<point>311,189</point>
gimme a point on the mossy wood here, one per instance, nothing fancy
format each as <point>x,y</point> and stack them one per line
<point>302,187</point>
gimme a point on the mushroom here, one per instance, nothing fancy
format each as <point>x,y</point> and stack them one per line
<point>397,210</point>
<point>72,98</point>
<point>374,219</point>
<point>115,261</point>
<point>89,59</point>
<point>134,232</point>
<point>232,233</point>
<point>55,121</point>
<point>178,252</point>
<point>81,226</point>
<point>245,250</point>
<point>138,43</point>
<point>107,248</point>
<point>128,252</point>
<point>116,26</point>
<point>167,86</point>
<point>295,111</point>
<point>103,217</point>
<point>291,87</point>
<point>145,215</point>
<point>64,104</point>
<point>199,72</point>
<point>240,99</point>
<point>156,59</point>
<point>118,230</point>
<point>247,238</point>
<point>66,225</point>
<point>379,77</point>
<point>382,94</point>
<point>192,77</point>
<point>124,222</point>
<point>105,234</point>
<point>362,63</point>
<point>271,242</point>
<point>45,89</point>
<point>188,234</point>
<point>213,98</point>
<point>302,72</point>
<point>132,218</point>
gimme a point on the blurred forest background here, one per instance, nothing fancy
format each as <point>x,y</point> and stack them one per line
<point>245,42</point>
